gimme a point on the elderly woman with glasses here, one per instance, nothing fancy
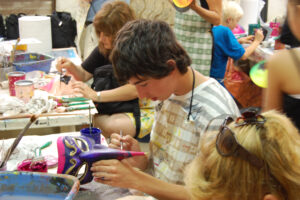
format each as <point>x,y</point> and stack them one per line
<point>255,157</point>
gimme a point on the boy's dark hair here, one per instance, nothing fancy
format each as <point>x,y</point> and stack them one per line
<point>143,47</point>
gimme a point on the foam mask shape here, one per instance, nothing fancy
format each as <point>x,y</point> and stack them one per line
<point>76,152</point>
<point>69,148</point>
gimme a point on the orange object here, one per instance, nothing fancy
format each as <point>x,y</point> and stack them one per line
<point>21,47</point>
<point>182,3</point>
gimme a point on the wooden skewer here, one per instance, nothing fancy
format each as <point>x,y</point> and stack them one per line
<point>12,53</point>
<point>17,140</point>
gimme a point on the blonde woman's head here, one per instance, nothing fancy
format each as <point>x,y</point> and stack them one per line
<point>277,144</point>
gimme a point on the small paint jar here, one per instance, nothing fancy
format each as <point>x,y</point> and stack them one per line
<point>12,78</point>
<point>92,133</point>
<point>24,90</point>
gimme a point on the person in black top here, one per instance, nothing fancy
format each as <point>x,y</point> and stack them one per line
<point>283,90</point>
<point>287,37</point>
<point>107,22</point>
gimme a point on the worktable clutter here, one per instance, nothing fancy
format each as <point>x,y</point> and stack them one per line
<point>49,95</point>
<point>26,148</point>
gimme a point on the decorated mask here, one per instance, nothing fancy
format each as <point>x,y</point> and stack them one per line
<point>69,148</point>
<point>76,152</point>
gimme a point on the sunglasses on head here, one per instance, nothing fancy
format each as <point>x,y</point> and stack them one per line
<point>227,144</point>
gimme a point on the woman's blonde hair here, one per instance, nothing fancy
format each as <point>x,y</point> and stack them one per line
<point>110,19</point>
<point>277,143</point>
<point>231,9</point>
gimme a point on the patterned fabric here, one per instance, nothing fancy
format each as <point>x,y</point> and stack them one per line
<point>147,117</point>
<point>174,140</point>
<point>193,33</point>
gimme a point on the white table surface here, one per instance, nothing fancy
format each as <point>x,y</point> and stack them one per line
<point>67,120</point>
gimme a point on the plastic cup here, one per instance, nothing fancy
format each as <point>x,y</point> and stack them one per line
<point>12,78</point>
<point>94,134</point>
<point>252,27</point>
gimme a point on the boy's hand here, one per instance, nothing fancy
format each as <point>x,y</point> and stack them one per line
<point>259,36</point>
<point>246,40</point>
<point>129,143</point>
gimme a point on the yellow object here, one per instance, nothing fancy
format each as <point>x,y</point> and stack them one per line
<point>259,74</point>
<point>21,47</point>
<point>182,3</point>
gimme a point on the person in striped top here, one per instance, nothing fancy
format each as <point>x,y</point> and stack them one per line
<point>147,55</point>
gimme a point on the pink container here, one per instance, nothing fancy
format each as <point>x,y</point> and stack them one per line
<point>275,27</point>
<point>12,78</point>
<point>24,90</point>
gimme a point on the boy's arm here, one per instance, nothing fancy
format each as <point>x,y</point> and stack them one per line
<point>122,174</point>
<point>258,38</point>
<point>246,40</point>
<point>162,190</point>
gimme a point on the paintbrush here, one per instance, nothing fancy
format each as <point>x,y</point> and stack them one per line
<point>38,158</point>
<point>72,104</point>
<point>17,140</point>
<point>69,109</point>
<point>12,53</point>
<point>63,72</point>
<point>121,142</point>
<point>90,119</point>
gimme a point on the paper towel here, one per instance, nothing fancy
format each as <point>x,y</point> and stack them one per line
<point>38,27</point>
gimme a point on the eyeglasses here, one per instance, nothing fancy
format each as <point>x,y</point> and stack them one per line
<point>227,144</point>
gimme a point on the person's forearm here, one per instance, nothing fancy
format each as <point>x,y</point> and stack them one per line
<point>210,16</point>
<point>124,93</point>
<point>80,74</point>
<point>160,189</point>
<point>213,15</point>
<point>249,50</point>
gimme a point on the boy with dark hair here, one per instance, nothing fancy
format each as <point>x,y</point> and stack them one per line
<point>147,55</point>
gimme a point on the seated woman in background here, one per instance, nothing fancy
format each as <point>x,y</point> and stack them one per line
<point>111,17</point>
<point>255,157</point>
<point>283,90</point>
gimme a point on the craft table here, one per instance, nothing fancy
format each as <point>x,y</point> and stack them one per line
<point>66,121</point>
<point>89,191</point>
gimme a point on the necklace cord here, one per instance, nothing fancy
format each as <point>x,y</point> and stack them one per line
<point>191,101</point>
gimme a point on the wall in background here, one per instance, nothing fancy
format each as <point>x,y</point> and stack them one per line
<point>29,7</point>
<point>277,8</point>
